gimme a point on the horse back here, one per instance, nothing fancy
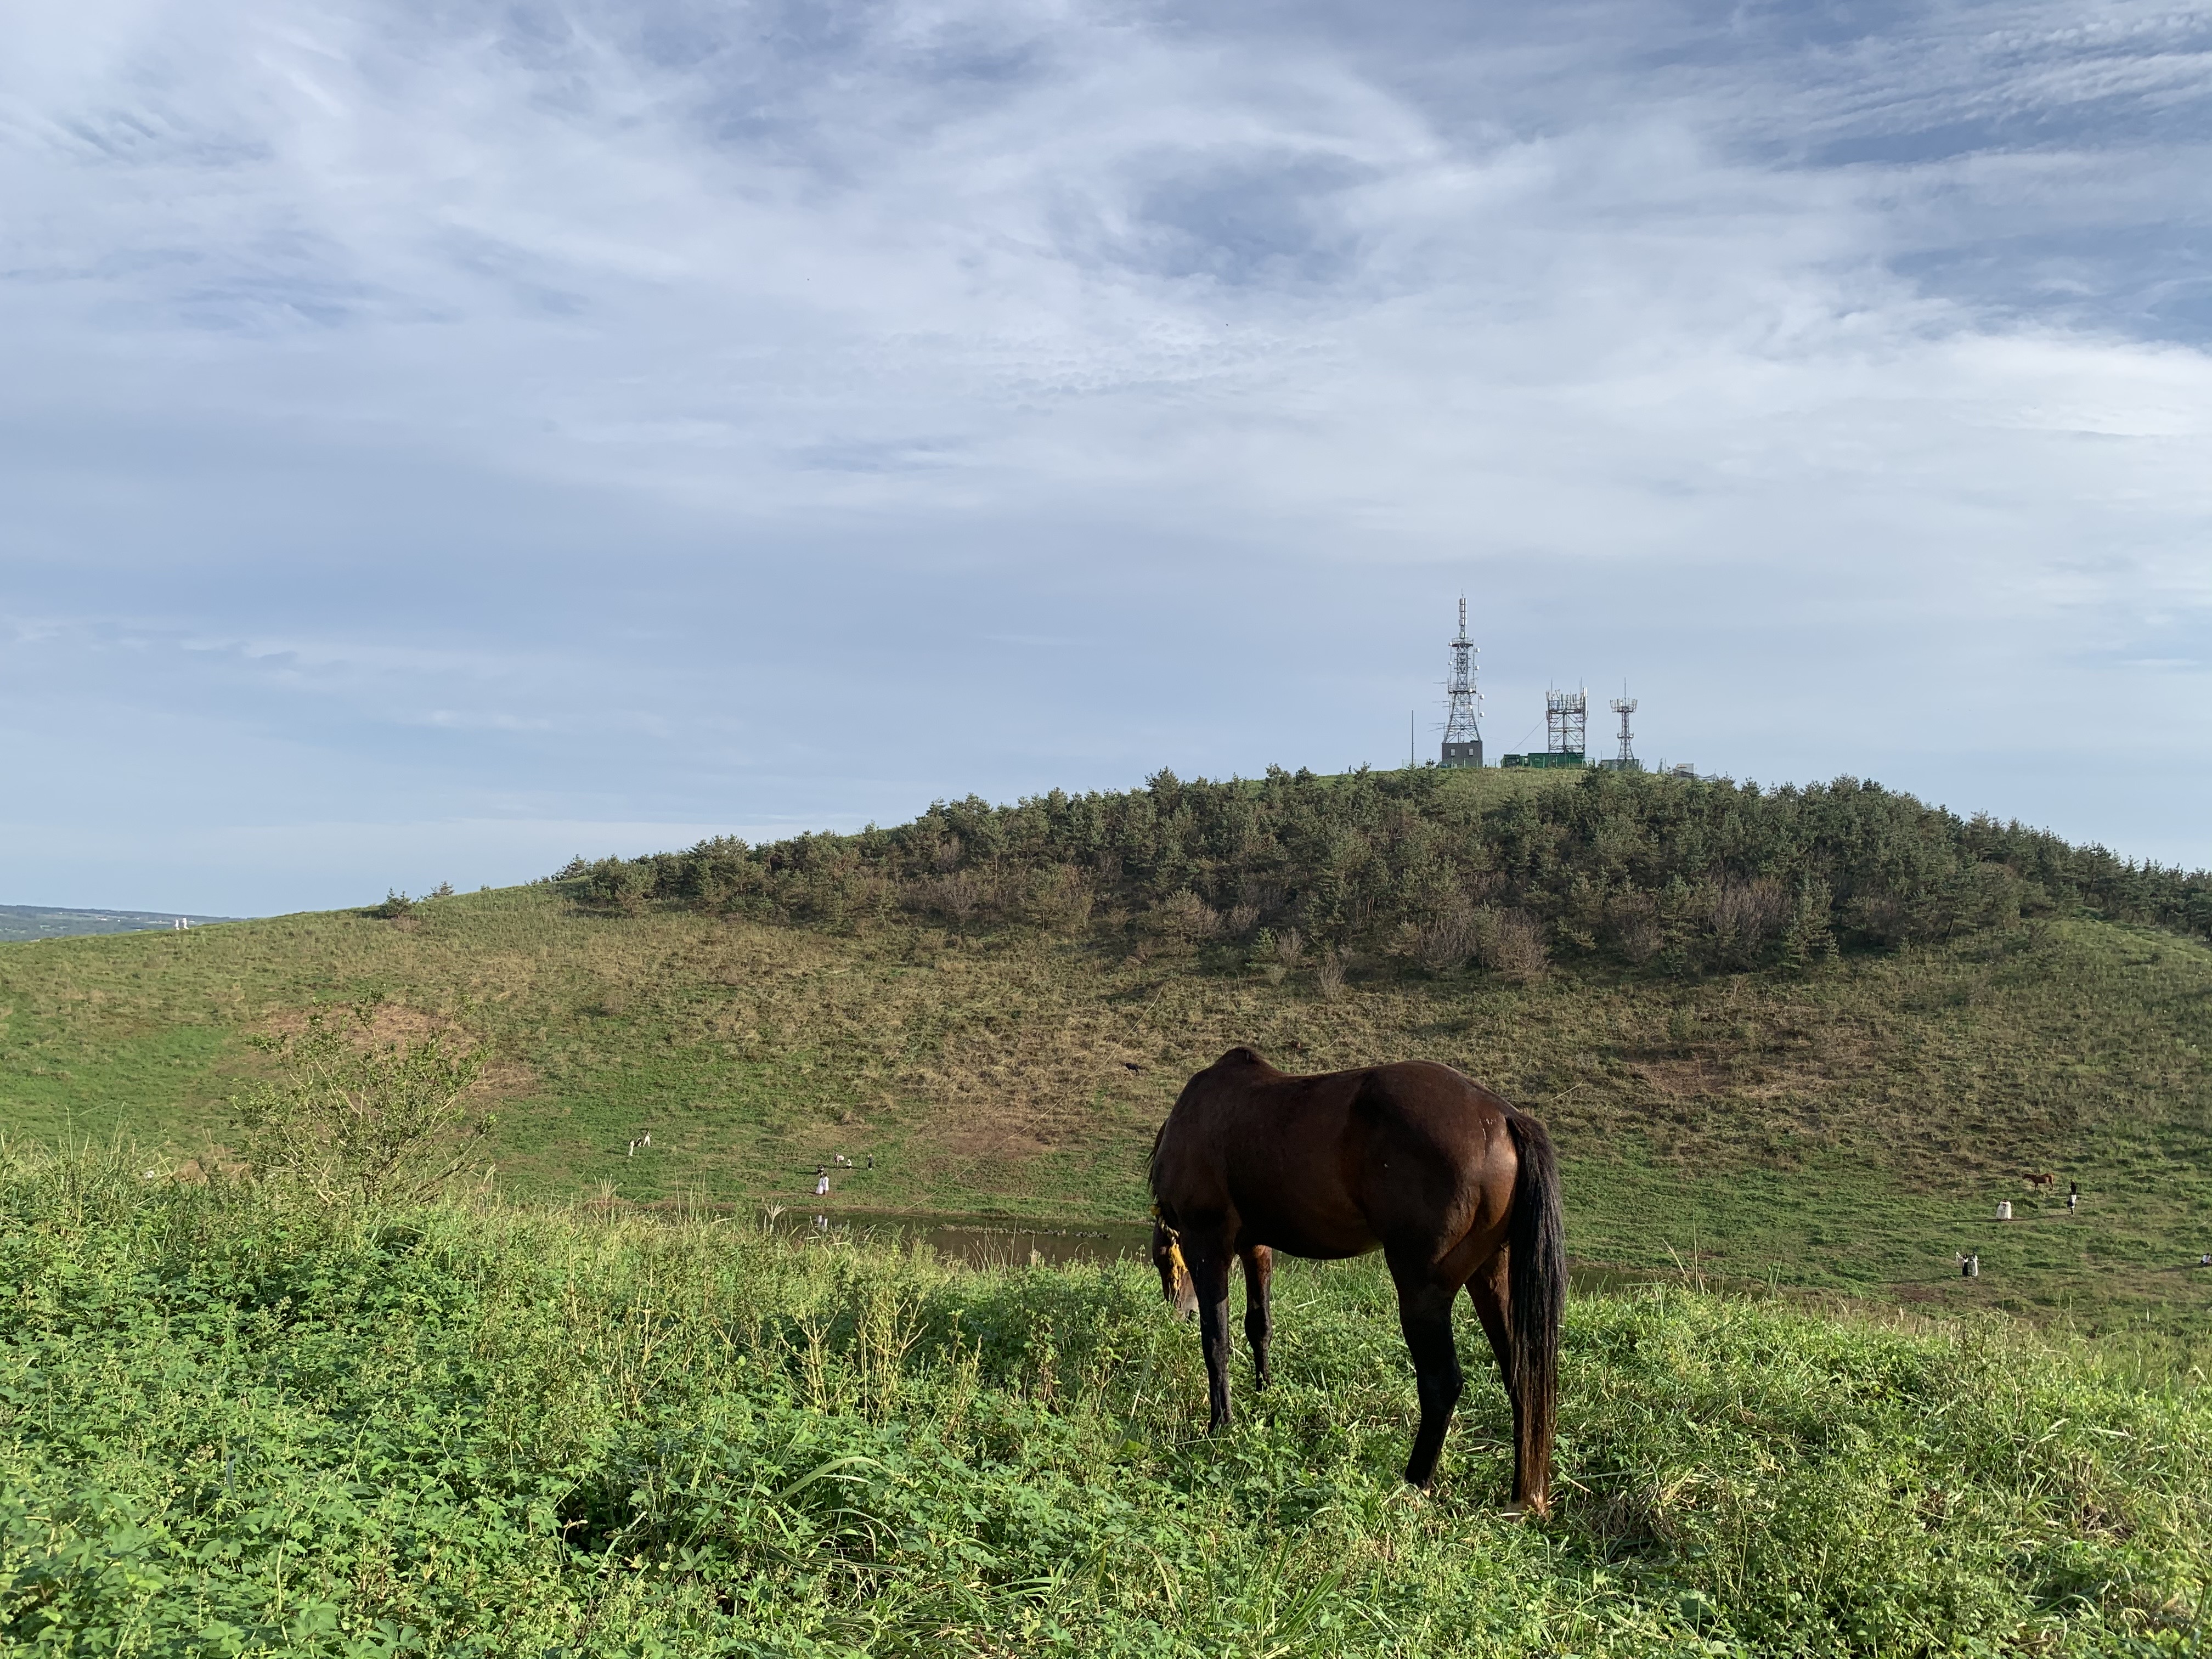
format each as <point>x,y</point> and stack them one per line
<point>1335,1164</point>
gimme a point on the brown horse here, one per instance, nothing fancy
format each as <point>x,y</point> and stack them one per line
<point>1454,1185</point>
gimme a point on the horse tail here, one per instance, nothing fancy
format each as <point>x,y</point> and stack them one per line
<point>1537,1296</point>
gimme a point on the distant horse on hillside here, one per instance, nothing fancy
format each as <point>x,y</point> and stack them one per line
<point>2044,1180</point>
<point>1454,1185</point>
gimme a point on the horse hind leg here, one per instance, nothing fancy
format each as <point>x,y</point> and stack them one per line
<point>1259,1320</point>
<point>1487,1291</point>
<point>1425,1316</point>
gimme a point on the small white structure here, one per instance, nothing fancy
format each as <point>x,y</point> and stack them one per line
<point>2004,1209</point>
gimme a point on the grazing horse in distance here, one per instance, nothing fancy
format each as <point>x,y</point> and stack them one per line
<point>1454,1185</point>
<point>2045,1180</point>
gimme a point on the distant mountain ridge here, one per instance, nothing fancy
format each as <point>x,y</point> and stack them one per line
<point>20,922</point>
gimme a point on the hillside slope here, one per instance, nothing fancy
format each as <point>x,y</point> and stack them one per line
<point>1850,1125</point>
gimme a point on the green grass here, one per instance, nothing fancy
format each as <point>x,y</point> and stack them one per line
<point>230,1426</point>
<point>1850,1128</point>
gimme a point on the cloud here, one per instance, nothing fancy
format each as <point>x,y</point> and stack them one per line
<point>671,414</point>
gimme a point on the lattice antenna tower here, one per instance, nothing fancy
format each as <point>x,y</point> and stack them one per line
<point>1566,722</point>
<point>1624,705</point>
<point>1462,702</point>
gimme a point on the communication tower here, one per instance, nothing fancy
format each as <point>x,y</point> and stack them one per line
<point>1624,706</point>
<point>1566,722</point>
<point>1463,703</point>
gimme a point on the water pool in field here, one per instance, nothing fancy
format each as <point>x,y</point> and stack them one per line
<point>1014,1242</point>
<point>979,1241</point>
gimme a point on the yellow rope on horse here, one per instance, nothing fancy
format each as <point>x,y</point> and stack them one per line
<point>1175,1243</point>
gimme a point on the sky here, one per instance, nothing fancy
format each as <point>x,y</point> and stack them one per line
<point>438,440</point>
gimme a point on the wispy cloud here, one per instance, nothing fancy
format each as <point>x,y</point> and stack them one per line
<point>706,396</point>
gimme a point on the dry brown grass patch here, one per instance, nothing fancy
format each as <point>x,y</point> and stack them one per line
<point>393,1023</point>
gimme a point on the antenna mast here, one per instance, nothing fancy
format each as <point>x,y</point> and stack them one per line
<point>1566,723</point>
<point>1624,706</point>
<point>1463,703</point>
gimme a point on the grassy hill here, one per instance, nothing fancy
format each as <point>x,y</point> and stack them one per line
<point>1803,1037</point>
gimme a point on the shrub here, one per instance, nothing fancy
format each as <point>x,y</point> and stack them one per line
<point>1446,941</point>
<point>1329,974</point>
<point>1511,943</point>
<point>1059,898</point>
<point>618,886</point>
<point>957,895</point>
<point>349,1117</point>
<point>1183,921</point>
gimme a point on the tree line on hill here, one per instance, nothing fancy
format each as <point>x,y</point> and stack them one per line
<point>1671,875</point>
